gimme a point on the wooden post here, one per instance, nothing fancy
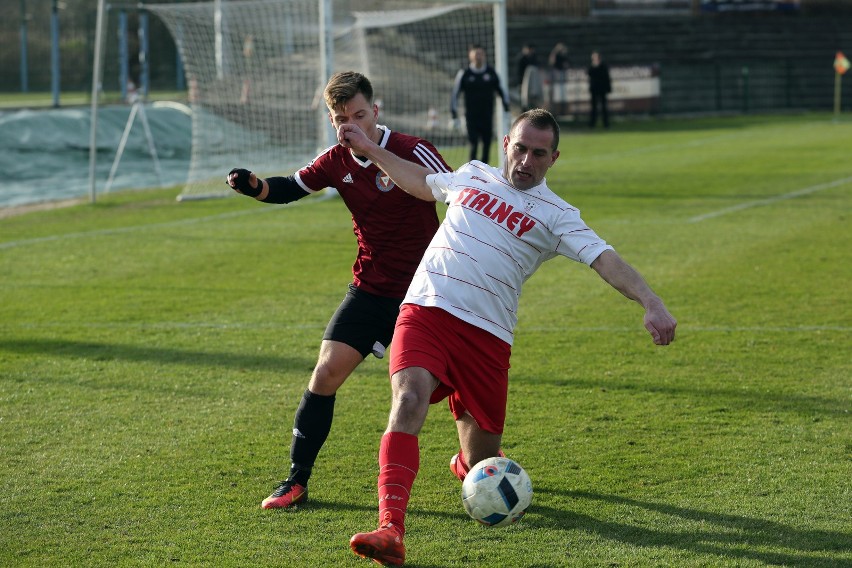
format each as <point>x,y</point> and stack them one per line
<point>837,79</point>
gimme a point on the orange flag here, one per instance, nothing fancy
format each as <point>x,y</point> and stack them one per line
<point>841,64</point>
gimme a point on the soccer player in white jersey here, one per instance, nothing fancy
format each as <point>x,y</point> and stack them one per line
<point>393,229</point>
<point>454,333</point>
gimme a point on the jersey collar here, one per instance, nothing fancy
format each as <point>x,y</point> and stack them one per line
<point>386,132</point>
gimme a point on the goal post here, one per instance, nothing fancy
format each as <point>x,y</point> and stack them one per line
<point>255,70</point>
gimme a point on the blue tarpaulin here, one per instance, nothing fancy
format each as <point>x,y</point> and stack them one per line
<point>44,154</point>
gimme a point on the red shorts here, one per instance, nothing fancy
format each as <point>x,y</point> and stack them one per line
<point>471,364</point>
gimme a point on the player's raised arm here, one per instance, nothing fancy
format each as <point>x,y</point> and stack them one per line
<point>407,175</point>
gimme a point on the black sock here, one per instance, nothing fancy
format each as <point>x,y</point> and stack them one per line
<point>310,430</point>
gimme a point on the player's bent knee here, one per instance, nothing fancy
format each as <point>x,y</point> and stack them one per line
<point>408,400</point>
<point>408,411</point>
<point>325,380</point>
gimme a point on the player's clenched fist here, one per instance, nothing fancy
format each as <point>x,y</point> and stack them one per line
<point>245,182</point>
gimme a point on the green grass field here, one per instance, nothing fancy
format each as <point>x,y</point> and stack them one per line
<point>152,354</point>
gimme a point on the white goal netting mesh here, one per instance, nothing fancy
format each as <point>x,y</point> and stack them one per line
<point>255,86</point>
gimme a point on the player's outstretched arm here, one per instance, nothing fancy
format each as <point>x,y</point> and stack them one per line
<point>276,189</point>
<point>624,278</point>
<point>407,175</point>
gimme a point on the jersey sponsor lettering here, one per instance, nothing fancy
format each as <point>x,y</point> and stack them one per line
<point>496,209</point>
<point>493,238</point>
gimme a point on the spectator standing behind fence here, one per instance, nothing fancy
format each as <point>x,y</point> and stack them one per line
<point>480,84</point>
<point>558,59</point>
<point>600,86</point>
<point>529,78</point>
<point>248,53</point>
<point>558,62</point>
<point>528,57</point>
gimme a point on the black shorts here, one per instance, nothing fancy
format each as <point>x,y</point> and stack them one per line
<point>364,321</point>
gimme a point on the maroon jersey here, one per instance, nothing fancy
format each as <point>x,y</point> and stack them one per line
<point>392,227</point>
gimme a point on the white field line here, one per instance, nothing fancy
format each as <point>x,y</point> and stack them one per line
<point>172,325</point>
<point>709,140</point>
<point>770,200</point>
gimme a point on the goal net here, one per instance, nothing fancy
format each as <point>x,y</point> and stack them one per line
<point>254,77</point>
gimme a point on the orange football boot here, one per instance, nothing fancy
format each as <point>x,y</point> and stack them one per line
<point>384,545</point>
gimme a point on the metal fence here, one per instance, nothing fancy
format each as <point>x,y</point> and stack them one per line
<point>708,62</point>
<point>43,41</point>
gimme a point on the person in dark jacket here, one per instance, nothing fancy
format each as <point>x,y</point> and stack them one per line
<point>480,84</point>
<point>600,86</point>
<point>527,58</point>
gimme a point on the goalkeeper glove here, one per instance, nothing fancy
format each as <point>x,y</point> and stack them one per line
<point>242,182</point>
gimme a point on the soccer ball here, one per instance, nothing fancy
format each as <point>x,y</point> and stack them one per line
<point>496,492</point>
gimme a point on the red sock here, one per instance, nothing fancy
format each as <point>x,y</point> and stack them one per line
<point>399,460</point>
<point>461,464</point>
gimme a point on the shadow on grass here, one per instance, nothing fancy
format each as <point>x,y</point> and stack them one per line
<point>726,399</point>
<point>706,532</point>
<point>98,351</point>
<point>340,508</point>
<point>736,537</point>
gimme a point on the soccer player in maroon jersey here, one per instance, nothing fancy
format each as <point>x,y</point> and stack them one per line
<point>392,228</point>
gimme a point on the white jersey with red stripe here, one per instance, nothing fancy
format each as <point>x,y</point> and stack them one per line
<point>492,239</point>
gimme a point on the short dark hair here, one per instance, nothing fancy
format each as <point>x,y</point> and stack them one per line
<point>541,119</point>
<point>343,86</point>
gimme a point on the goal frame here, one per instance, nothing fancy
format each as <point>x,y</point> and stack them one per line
<point>326,32</point>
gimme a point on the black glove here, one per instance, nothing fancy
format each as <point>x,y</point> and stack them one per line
<point>242,183</point>
<point>455,114</point>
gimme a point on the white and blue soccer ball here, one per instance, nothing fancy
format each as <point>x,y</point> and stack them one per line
<point>496,492</point>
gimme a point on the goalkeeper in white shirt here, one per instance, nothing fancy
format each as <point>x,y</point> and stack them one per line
<point>455,329</point>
